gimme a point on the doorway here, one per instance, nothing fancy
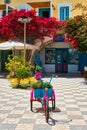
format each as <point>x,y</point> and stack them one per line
<point>4,58</point>
<point>61,61</point>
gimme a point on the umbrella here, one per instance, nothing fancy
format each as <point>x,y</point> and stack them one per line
<point>9,45</point>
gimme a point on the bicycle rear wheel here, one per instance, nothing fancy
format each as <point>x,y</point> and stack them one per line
<point>31,105</point>
<point>53,104</point>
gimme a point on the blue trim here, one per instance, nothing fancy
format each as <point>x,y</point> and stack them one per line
<point>82,61</point>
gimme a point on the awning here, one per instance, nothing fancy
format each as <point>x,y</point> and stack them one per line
<point>40,4</point>
<point>39,44</point>
<point>9,45</point>
<point>3,7</point>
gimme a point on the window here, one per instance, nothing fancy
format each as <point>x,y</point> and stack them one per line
<point>49,56</point>
<point>64,10</point>
<point>7,1</point>
<point>73,56</point>
<point>44,12</point>
<point>64,13</point>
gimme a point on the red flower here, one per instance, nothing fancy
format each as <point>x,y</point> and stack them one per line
<point>74,43</point>
<point>67,39</point>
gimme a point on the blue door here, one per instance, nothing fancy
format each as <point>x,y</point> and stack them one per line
<point>61,58</point>
<point>82,61</point>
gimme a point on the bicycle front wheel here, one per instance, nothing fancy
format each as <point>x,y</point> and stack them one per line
<point>47,110</point>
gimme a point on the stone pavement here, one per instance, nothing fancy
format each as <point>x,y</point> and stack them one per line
<point>70,112</point>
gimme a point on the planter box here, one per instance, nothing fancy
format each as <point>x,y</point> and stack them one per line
<point>39,93</point>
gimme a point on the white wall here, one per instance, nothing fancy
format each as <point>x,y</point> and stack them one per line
<point>49,68</point>
<point>0,13</point>
<point>72,68</point>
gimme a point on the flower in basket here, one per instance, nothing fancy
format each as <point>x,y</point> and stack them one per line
<point>40,87</point>
<point>47,85</point>
<point>38,73</point>
<point>39,84</point>
<point>36,85</point>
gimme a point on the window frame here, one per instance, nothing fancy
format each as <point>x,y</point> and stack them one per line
<point>64,4</point>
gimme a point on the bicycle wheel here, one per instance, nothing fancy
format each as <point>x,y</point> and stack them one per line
<point>53,104</point>
<point>31,105</point>
<point>47,110</point>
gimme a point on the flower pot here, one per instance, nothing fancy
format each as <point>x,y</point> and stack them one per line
<point>24,85</point>
<point>14,85</point>
<point>39,93</point>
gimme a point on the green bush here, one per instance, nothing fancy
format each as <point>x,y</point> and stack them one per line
<point>15,64</point>
<point>38,69</point>
<point>22,73</point>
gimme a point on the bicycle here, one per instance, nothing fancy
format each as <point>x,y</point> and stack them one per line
<point>45,96</point>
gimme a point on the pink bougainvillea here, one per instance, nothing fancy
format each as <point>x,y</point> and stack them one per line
<point>74,43</point>
<point>38,27</point>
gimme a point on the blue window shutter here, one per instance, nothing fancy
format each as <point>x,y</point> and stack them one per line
<point>64,13</point>
<point>61,13</point>
<point>67,12</point>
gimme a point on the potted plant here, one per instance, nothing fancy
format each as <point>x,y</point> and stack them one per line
<point>23,74</point>
<point>38,73</point>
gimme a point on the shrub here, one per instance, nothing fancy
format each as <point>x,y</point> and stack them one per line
<point>38,69</point>
<point>22,73</point>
